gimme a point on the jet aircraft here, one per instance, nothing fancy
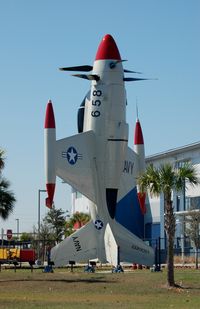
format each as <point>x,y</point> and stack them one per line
<point>98,163</point>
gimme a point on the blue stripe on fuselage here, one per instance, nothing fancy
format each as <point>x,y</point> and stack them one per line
<point>128,213</point>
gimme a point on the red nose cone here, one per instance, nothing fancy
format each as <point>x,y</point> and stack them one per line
<point>138,140</point>
<point>108,49</point>
<point>49,118</point>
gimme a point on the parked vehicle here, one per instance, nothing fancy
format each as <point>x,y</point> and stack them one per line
<point>17,255</point>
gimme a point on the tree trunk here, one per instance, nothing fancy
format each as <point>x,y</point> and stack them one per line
<point>196,258</point>
<point>170,261</point>
<point>170,232</point>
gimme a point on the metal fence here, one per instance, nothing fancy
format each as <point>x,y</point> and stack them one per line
<point>184,252</point>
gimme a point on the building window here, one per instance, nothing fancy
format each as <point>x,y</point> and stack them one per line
<point>179,164</point>
<point>195,202</point>
<point>78,195</point>
<point>178,199</point>
<point>187,203</point>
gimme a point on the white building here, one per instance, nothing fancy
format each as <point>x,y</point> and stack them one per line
<point>79,203</point>
<point>154,220</point>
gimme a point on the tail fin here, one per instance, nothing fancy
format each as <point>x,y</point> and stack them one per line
<point>132,248</point>
<point>111,247</point>
<point>78,247</point>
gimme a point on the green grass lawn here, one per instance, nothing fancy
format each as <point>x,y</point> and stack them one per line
<point>62,289</point>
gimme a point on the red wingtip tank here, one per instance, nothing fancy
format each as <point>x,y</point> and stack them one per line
<point>139,149</point>
<point>50,139</point>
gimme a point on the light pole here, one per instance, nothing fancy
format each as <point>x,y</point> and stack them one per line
<point>17,228</point>
<point>39,191</point>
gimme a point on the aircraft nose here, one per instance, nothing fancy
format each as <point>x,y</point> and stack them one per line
<point>108,49</point>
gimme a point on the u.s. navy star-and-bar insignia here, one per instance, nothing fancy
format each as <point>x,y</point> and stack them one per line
<point>72,155</point>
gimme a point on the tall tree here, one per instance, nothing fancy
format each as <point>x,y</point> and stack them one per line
<point>55,219</point>
<point>26,237</point>
<point>7,198</point>
<point>192,220</point>
<point>165,179</point>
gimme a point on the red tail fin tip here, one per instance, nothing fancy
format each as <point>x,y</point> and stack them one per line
<point>138,139</point>
<point>50,191</point>
<point>141,199</point>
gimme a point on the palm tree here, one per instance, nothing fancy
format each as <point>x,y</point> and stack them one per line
<point>165,179</point>
<point>79,219</point>
<point>7,198</point>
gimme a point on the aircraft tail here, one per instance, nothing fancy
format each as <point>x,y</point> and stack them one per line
<point>130,248</point>
<point>117,245</point>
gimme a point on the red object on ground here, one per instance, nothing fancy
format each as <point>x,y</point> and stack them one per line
<point>27,255</point>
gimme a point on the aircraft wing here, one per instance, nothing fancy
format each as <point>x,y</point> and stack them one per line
<point>78,247</point>
<point>74,162</point>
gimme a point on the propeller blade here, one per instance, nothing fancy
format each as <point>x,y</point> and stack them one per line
<point>132,79</point>
<point>81,68</point>
<point>128,71</point>
<point>87,76</point>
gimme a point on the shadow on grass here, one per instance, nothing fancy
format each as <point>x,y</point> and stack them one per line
<point>178,287</point>
<point>77,280</point>
<point>190,288</point>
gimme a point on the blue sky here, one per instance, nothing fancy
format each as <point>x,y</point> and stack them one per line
<point>158,38</point>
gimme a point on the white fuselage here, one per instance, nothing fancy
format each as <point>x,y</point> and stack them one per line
<point>105,114</point>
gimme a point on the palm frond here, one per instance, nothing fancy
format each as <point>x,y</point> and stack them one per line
<point>7,201</point>
<point>2,159</point>
<point>150,180</point>
<point>4,184</point>
<point>186,175</point>
<point>165,178</point>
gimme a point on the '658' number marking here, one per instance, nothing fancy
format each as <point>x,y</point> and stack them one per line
<point>96,102</point>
